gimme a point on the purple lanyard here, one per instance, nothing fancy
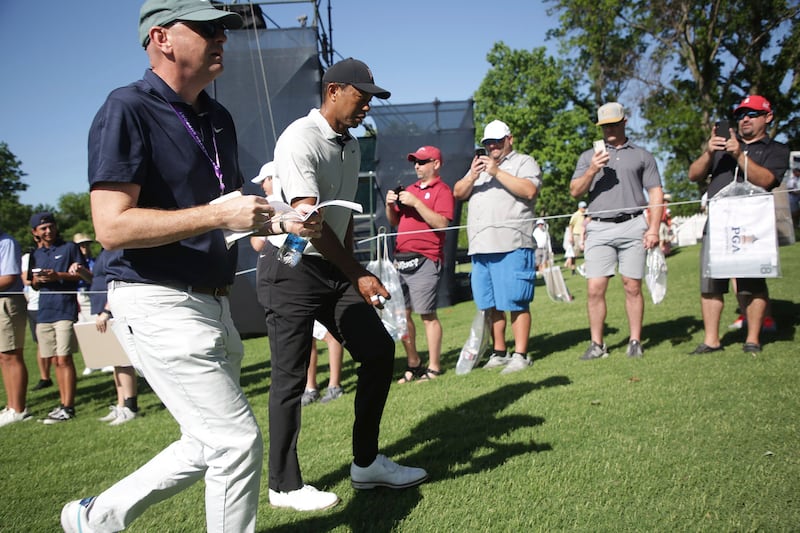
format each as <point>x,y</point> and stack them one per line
<point>214,162</point>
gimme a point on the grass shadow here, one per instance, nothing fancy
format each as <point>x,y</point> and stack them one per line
<point>454,441</point>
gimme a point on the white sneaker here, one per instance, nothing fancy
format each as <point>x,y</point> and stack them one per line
<point>123,415</point>
<point>74,518</point>
<point>112,414</point>
<point>518,362</point>
<point>58,416</point>
<point>496,361</point>
<point>304,499</point>
<point>383,472</point>
<point>87,371</point>
<point>108,369</point>
<point>9,416</point>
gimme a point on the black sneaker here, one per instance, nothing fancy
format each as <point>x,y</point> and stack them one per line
<point>43,384</point>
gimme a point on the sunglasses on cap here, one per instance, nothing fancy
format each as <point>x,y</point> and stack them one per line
<point>751,113</point>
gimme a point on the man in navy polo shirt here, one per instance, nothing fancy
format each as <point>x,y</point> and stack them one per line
<point>57,282</point>
<point>160,151</point>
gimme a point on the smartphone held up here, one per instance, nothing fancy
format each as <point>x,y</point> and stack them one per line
<point>722,129</point>
<point>480,151</point>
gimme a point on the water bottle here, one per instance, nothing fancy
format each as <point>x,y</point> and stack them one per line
<point>292,250</point>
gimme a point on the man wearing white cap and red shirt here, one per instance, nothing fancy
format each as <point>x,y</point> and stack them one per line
<point>419,254</point>
<point>766,162</point>
<point>618,234</point>
<point>502,187</point>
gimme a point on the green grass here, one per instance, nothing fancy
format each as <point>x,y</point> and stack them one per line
<point>670,442</point>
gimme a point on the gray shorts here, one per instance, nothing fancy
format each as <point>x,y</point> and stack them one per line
<point>609,244</point>
<point>421,287</point>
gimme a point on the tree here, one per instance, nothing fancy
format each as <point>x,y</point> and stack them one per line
<point>683,64</point>
<point>535,95</point>
<point>14,216</point>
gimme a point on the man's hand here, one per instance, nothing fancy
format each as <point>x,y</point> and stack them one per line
<point>372,290</point>
<point>311,228</point>
<point>101,322</point>
<point>650,240</point>
<point>245,213</point>
<point>408,199</point>
<point>599,160</point>
<point>479,164</point>
<point>391,197</point>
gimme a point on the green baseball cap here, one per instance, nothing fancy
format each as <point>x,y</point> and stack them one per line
<point>162,12</point>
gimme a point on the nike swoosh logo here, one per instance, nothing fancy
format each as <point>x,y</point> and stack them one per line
<point>218,130</point>
<point>58,257</point>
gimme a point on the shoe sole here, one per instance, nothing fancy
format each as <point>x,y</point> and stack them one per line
<point>304,510</point>
<point>367,485</point>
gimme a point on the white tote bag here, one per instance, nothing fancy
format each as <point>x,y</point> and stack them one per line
<point>742,241</point>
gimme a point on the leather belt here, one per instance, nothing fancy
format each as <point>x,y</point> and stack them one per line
<point>216,292</point>
<point>622,217</point>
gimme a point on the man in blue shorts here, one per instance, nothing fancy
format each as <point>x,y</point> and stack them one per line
<point>502,187</point>
<point>619,233</point>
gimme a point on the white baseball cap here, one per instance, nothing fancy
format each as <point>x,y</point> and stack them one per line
<point>267,171</point>
<point>496,129</point>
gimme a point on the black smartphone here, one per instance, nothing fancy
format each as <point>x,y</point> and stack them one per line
<point>480,151</point>
<point>397,190</point>
<point>723,129</point>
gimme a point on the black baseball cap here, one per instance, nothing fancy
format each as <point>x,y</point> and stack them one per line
<point>42,218</point>
<point>356,73</point>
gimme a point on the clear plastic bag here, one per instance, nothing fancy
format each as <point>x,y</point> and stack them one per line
<point>393,314</point>
<point>477,342</point>
<point>656,275</point>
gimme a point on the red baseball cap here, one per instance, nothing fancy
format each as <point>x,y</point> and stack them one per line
<point>426,152</point>
<point>755,102</point>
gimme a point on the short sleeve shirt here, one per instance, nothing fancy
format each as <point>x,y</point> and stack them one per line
<point>140,136</point>
<point>498,221</point>
<point>772,155</point>
<point>313,161</point>
<point>412,235</point>
<point>10,261</point>
<point>618,187</point>
<point>54,306</point>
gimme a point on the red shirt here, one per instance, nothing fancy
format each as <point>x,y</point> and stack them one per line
<point>437,196</point>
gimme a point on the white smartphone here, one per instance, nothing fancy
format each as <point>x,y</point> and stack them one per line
<point>599,146</point>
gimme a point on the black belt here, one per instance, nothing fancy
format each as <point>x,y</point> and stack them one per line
<point>622,217</point>
<point>216,292</point>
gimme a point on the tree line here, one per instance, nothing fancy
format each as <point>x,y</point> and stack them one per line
<point>676,65</point>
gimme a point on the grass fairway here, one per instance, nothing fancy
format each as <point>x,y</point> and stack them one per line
<point>670,442</point>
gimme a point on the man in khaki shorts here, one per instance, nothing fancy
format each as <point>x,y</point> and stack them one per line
<point>56,277</point>
<point>12,332</point>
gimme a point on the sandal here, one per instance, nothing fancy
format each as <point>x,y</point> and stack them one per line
<point>430,374</point>
<point>411,373</point>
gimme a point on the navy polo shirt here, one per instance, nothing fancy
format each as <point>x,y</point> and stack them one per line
<point>59,257</point>
<point>138,137</point>
<point>97,296</point>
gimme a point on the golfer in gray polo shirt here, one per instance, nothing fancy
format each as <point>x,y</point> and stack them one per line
<point>615,176</point>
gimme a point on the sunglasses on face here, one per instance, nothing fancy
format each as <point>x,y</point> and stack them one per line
<point>422,162</point>
<point>750,113</point>
<point>487,142</point>
<point>206,29</point>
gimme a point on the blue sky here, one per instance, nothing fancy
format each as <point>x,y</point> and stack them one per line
<point>63,58</point>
